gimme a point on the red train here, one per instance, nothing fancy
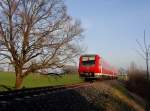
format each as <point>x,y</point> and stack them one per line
<point>94,66</point>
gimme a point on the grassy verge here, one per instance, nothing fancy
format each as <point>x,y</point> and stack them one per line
<point>7,80</point>
<point>140,85</point>
<point>112,96</point>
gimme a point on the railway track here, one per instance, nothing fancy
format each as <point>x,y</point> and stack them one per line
<point>31,93</point>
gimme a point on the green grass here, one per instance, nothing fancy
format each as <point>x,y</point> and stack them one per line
<point>7,80</point>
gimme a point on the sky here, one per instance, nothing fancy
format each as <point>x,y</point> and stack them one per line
<point>111,28</point>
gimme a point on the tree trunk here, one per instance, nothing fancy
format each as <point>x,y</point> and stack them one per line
<point>147,67</point>
<point>147,72</point>
<point>19,77</point>
<point>19,81</point>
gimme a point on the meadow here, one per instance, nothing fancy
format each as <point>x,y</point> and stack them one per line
<point>7,80</point>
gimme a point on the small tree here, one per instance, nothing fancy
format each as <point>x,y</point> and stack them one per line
<point>37,34</point>
<point>144,52</point>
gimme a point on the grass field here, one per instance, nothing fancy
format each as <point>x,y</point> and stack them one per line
<point>7,80</point>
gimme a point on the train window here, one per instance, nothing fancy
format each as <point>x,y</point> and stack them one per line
<point>88,61</point>
<point>84,58</point>
<point>91,58</point>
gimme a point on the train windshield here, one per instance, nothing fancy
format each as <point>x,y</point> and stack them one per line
<point>88,60</point>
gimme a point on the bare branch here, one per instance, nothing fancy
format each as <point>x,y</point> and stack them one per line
<point>145,53</point>
<point>145,42</point>
<point>140,46</point>
<point>142,55</point>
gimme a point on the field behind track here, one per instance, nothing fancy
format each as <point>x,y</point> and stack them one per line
<point>7,80</point>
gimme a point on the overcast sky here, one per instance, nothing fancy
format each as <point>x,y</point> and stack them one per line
<point>112,27</point>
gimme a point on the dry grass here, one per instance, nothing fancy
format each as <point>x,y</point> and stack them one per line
<point>112,96</point>
<point>116,90</point>
<point>137,83</point>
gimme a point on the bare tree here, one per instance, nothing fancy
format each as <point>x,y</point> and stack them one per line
<point>37,34</point>
<point>144,52</point>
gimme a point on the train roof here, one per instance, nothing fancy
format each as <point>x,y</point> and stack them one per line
<point>90,55</point>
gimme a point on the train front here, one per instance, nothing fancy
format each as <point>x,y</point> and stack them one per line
<point>89,66</point>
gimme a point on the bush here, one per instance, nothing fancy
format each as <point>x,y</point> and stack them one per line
<point>138,83</point>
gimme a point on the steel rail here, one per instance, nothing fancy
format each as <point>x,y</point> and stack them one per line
<point>30,93</point>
